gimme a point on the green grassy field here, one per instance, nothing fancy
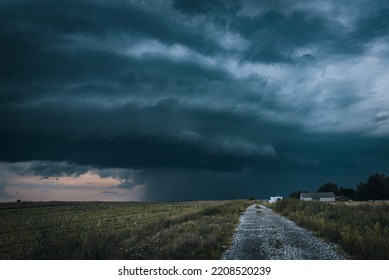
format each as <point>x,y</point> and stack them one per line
<point>360,228</point>
<point>117,230</point>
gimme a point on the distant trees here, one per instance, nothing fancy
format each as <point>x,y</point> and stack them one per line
<point>329,187</point>
<point>296,194</point>
<point>375,188</point>
<point>338,191</point>
<point>350,193</point>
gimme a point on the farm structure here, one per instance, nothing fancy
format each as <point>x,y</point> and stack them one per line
<point>318,196</point>
<point>275,199</point>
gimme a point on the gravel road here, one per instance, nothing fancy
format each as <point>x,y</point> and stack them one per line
<point>265,235</point>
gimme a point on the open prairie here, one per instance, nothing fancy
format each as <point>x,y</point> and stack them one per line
<point>117,230</point>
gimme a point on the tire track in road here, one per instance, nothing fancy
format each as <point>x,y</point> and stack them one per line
<point>265,235</point>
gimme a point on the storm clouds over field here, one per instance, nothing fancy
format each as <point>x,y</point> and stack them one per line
<point>167,100</point>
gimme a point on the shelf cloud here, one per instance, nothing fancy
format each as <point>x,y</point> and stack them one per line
<point>192,99</point>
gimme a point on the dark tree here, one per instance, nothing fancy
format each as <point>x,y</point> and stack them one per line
<point>349,193</point>
<point>376,188</point>
<point>329,187</point>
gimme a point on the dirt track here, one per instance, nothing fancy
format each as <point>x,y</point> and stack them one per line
<point>263,234</point>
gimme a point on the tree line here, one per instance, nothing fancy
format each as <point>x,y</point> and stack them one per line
<point>375,188</point>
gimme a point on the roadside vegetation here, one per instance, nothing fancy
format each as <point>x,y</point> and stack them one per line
<point>117,230</point>
<point>360,228</point>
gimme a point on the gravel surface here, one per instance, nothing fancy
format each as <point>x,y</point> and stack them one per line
<point>265,235</point>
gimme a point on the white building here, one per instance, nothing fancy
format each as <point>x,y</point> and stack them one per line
<point>319,196</point>
<point>275,199</point>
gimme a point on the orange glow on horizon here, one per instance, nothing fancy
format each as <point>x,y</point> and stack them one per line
<point>87,179</point>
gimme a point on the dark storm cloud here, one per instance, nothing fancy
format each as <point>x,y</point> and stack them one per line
<point>108,76</point>
<point>32,32</point>
<point>198,7</point>
<point>281,27</point>
<point>195,98</point>
<point>46,169</point>
<point>373,25</point>
<point>130,137</point>
<point>274,36</point>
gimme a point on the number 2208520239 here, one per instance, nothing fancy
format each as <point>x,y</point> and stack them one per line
<point>241,270</point>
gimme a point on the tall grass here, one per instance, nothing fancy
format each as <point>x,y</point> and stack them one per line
<point>182,230</point>
<point>361,229</point>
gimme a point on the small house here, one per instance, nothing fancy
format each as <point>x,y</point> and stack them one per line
<point>275,199</point>
<point>318,196</point>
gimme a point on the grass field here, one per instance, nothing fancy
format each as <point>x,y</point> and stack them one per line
<point>117,230</point>
<point>360,228</point>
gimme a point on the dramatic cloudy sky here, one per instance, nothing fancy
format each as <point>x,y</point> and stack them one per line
<point>171,100</point>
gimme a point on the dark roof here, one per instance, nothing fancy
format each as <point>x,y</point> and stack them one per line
<point>318,194</point>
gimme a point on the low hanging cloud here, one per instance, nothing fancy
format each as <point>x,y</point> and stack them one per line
<point>46,169</point>
<point>223,146</point>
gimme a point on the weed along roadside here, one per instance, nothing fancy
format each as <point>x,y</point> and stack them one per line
<point>360,228</point>
<point>118,230</point>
